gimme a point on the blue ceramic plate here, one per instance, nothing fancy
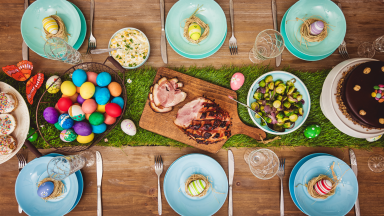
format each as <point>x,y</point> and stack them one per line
<point>26,187</point>
<point>346,192</point>
<point>293,50</point>
<point>328,11</point>
<point>211,13</point>
<point>299,85</point>
<point>180,171</point>
<point>83,31</point>
<point>32,26</point>
<point>294,172</point>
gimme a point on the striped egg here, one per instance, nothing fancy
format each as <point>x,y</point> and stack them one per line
<point>196,187</point>
<point>50,25</point>
<point>316,28</point>
<point>323,187</point>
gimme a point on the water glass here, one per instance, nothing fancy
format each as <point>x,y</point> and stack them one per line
<point>366,50</point>
<point>263,163</point>
<point>376,163</point>
<point>379,44</point>
<point>61,167</point>
<point>57,49</point>
<point>268,45</point>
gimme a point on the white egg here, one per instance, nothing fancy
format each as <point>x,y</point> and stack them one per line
<point>56,86</point>
<point>196,187</point>
<point>128,127</point>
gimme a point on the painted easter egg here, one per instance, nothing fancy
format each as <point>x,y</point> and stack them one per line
<point>64,103</point>
<point>115,89</point>
<point>316,28</point>
<point>68,135</point>
<point>194,31</point>
<point>73,97</point>
<point>103,79</point>
<point>98,129</point>
<point>76,113</point>
<point>68,88</point>
<point>85,139</point>
<point>373,139</point>
<point>89,106</point>
<point>109,120</point>
<point>80,100</point>
<point>128,127</point>
<point>57,108</point>
<point>55,81</point>
<point>92,77</point>
<point>102,96</point>
<point>87,90</point>
<point>78,90</point>
<point>196,187</point>
<point>101,108</point>
<point>119,101</point>
<point>45,189</point>
<point>113,110</point>
<point>66,121</point>
<point>96,118</point>
<point>32,136</point>
<point>79,77</point>
<point>237,81</point>
<point>323,186</point>
<point>87,116</point>
<point>50,25</point>
<point>97,88</point>
<point>82,128</point>
<point>51,115</point>
<point>58,127</point>
<point>312,131</point>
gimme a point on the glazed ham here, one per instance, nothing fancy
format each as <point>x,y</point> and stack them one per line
<point>165,94</point>
<point>204,121</point>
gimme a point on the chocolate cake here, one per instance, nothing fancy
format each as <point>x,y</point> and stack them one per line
<point>361,94</point>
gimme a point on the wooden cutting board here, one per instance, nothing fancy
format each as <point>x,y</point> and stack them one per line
<point>162,123</point>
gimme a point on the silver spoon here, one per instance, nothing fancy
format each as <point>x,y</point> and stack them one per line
<point>99,51</point>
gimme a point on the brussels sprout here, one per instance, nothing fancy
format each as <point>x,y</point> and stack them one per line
<point>291,90</point>
<point>285,119</point>
<point>261,108</point>
<point>280,90</point>
<point>280,115</point>
<point>279,97</point>
<point>279,109</point>
<point>296,111</point>
<point>278,128</point>
<point>276,103</point>
<point>262,83</point>
<point>266,95</point>
<point>288,112</point>
<point>278,82</point>
<point>286,90</point>
<point>269,120</point>
<point>284,98</point>
<point>268,79</point>
<point>254,105</point>
<point>282,85</point>
<point>301,111</point>
<point>289,83</point>
<point>271,86</point>
<point>287,125</point>
<point>280,122</point>
<point>258,116</point>
<point>293,117</point>
<point>299,104</point>
<point>294,95</point>
<point>262,123</point>
<point>267,99</point>
<point>287,104</point>
<point>299,97</point>
<point>266,89</point>
<point>291,100</point>
<point>260,102</point>
<point>258,96</point>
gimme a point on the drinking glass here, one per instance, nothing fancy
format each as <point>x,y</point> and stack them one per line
<point>376,163</point>
<point>263,163</point>
<point>379,44</point>
<point>57,49</point>
<point>366,50</point>
<point>268,44</point>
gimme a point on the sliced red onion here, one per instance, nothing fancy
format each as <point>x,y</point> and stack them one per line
<point>262,90</point>
<point>293,99</point>
<point>273,117</point>
<point>302,101</point>
<point>267,109</point>
<point>293,125</point>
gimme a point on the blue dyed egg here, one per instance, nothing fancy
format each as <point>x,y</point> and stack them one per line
<point>45,189</point>
<point>97,88</point>
<point>65,121</point>
<point>103,79</point>
<point>119,101</point>
<point>102,96</point>
<point>79,77</point>
<point>98,129</point>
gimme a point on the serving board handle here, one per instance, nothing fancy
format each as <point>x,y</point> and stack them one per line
<point>252,132</point>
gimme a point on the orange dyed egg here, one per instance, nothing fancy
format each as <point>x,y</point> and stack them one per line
<point>73,97</point>
<point>109,120</point>
<point>115,89</point>
<point>89,106</point>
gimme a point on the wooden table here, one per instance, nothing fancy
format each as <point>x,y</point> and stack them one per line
<point>129,185</point>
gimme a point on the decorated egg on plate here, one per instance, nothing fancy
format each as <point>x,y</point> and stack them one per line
<point>128,127</point>
<point>68,135</point>
<point>237,81</point>
<point>68,88</point>
<point>92,77</point>
<point>76,113</point>
<point>79,77</point>
<point>96,118</point>
<point>85,139</point>
<point>80,100</point>
<point>51,115</point>
<point>89,106</point>
<point>45,189</point>
<point>196,187</point>
<point>64,103</point>
<point>50,25</point>
<point>102,96</point>
<point>115,89</point>
<point>55,81</point>
<point>194,31</point>
<point>109,120</point>
<point>87,90</point>
<point>119,101</point>
<point>316,28</point>
<point>98,129</point>
<point>66,121</point>
<point>113,110</point>
<point>101,108</point>
<point>57,108</point>
<point>323,186</point>
<point>58,127</point>
<point>73,97</point>
<point>82,128</point>
<point>103,79</point>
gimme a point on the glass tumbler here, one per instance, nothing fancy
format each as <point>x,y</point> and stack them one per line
<point>57,49</point>
<point>366,50</point>
<point>379,44</point>
<point>61,167</point>
<point>268,44</point>
<point>263,163</point>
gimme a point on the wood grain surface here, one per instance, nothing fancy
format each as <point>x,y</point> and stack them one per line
<point>162,123</point>
<point>129,185</point>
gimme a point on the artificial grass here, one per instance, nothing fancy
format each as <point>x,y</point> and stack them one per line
<point>142,79</point>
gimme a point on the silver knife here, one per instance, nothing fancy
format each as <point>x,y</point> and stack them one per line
<point>231,172</point>
<point>274,17</point>
<point>24,49</point>
<point>99,169</point>
<point>352,156</point>
<point>163,43</point>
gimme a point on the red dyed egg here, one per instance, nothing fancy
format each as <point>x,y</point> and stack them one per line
<point>323,186</point>
<point>64,103</point>
<point>109,119</point>
<point>113,110</point>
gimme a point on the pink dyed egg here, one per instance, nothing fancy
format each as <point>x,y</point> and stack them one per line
<point>237,81</point>
<point>317,27</point>
<point>92,77</point>
<point>323,187</point>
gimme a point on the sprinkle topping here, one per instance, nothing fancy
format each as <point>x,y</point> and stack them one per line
<point>7,103</point>
<point>7,144</point>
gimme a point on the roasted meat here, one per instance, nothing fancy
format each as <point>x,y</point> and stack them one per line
<point>204,121</point>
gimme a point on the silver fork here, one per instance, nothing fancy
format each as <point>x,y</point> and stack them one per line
<point>281,173</point>
<point>92,39</point>
<point>158,170</point>
<point>22,163</point>
<point>232,40</point>
<point>343,46</point>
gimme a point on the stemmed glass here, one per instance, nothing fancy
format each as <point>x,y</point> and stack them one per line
<point>366,50</point>
<point>268,44</point>
<point>376,163</point>
<point>263,163</point>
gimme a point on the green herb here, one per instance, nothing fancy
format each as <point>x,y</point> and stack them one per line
<point>131,40</point>
<point>117,45</point>
<point>122,36</point>
<point>134,64</point>
<point>144,57</point>
<point>132,56</point>
<point>130,65</point>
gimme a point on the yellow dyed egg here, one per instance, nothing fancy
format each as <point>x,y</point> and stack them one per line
<point>85,139</point>
<point>101,108</point>
<point>68,88</point>
<point>194,31</point>
<point>87,90</point>
<point>50,25</point>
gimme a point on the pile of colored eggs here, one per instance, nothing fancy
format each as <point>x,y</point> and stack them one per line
<point>378,94</point>
<point>89,103</point>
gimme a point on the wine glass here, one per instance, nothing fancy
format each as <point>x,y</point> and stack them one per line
<point>376,163</point>
<point>268,44</point>
<point>366,50</point>
<point>263,163</point>
<point>247,153</point>
<point>379,44</point>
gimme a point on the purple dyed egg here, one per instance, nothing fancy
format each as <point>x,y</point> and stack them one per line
<point>82,128</point>
<point>51,115</point>
<point>80,100</point>
<point>317,27</point>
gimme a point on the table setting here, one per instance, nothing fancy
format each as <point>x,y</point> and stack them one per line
<point>229,123</point>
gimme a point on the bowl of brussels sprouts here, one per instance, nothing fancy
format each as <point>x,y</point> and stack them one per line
<point>281,99</point>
